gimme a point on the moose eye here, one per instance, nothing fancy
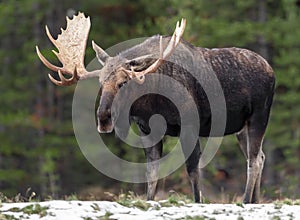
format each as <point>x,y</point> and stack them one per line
<point>133,63</point>
<point>121,84</point>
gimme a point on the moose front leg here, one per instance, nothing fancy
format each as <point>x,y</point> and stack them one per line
<point>153,154</point>
<point>192,167</point>
<point>192,159</point>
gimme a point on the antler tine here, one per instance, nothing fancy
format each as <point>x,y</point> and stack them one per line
<point>161,48</point>
<point>175,38</point>
<point>49,35</point>
<point>48,64</point>
<point>64,81</point>
<point>180,29</point>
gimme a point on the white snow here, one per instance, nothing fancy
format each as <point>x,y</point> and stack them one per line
<point>112,210</point>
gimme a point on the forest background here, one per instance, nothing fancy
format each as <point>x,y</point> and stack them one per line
<point>38,149</point>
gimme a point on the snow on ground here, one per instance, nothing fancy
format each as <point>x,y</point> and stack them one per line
<point>88,210</point>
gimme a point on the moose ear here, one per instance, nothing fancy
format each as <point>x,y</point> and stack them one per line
<point>100,53</point>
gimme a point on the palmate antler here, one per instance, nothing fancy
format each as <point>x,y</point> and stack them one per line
<point>71,44</point>
<point>163,54</point>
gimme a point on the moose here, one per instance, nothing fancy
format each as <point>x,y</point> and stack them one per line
<point>247,81</point>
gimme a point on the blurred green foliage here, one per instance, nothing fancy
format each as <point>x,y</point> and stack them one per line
<point>37,144</point>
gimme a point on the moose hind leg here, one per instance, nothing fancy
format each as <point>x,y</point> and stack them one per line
<point>256,190</point>
<point>242,137</point>
<point>256,129</point>
<point>193,171</point>
<point>153,154</point>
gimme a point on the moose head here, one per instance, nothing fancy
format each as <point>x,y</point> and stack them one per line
<point>116,71</point>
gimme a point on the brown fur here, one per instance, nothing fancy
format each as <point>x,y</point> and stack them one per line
<point>247,81</point>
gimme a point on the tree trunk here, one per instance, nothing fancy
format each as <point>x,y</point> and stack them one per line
<point>262,18</point>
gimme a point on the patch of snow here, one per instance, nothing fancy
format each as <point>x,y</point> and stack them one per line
<point>95,209</point>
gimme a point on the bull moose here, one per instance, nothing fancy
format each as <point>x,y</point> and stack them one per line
<point>247,81</point>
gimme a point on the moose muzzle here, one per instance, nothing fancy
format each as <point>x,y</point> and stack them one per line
<point>104,118</point>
